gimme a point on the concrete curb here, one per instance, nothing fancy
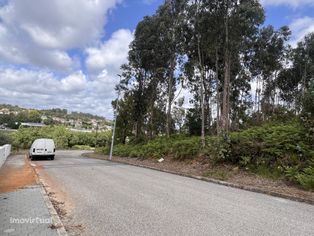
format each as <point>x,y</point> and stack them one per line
<point>52,211</point>
<point>233,185</point>
<point>5,152</point>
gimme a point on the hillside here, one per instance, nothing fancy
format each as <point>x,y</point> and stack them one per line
<point>12,117</point>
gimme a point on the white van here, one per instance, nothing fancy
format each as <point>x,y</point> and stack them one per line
<point>42,147</point>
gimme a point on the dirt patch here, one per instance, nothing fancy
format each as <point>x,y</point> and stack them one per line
<point>60,200</point>
<point>55,191</point>
<point>13,177</point>
<point>202,166</point>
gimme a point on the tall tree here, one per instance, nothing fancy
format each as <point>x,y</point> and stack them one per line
<point>294,81</point>
<point>241,22</point>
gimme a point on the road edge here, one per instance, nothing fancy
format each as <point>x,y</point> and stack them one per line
<point>52,211</point>
<point>228,184</point>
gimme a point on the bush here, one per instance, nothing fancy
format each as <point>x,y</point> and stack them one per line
<point>4,138</point>
<point>180,147</point>
<point>306,178</point>
<point>303,177</point>
<point>271,145</point>
<point>63,137</point>
<point>217,148</point>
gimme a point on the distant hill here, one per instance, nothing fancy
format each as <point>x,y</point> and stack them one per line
<point>12,116</point>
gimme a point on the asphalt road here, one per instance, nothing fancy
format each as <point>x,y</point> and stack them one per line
<point>117,199</point>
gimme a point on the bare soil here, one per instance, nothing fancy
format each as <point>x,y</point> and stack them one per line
<point>202,166</point>
<point>13,177</point>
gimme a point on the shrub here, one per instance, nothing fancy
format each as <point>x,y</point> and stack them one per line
<point>5,138</point>
<point>186,148</point>
<point>303,177</point>
<point>306,178</point>
<point>217,148</point>
<point>180,147</point>
<point>272,145</point>
<point>63,137</point>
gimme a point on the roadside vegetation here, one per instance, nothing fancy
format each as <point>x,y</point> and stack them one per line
<point>251,94</point>
<point>272,150</point>
<point>62,136</point>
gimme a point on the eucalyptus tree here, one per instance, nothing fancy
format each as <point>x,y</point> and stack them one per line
<point>199,43</point>
<point>294,81</point>
<point>270,58</point>
<point>170,15</point>
<point>241,23</point>
<point>142,73</point>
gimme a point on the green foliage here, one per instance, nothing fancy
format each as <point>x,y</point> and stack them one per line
<point>308,100</point>
<point>306,178</point>
<point>245,161</point>
<point>273,150</point>
<point>186,148</point>
<point>291,173</point>
<point>303,177</point>
<point>217,148</point>
<point>265,171</point>
<point>273,145</point>
<point>4,138</point>
<point>63,137</point>
<point>179,147</point>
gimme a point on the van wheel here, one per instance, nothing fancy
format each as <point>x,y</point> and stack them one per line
<point>31,157</point>
<point>52,157</point>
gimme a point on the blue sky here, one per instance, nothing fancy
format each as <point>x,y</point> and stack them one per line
<point>67,54</point>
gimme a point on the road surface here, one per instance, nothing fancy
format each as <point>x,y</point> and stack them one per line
<point>116,199</point>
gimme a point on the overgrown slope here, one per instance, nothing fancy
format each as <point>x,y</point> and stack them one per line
<point>272,149</point>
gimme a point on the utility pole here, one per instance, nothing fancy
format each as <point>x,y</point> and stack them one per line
<point>96,136</point>
<point>115,121</point>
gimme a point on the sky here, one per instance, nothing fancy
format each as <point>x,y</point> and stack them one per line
<point>67,53</point>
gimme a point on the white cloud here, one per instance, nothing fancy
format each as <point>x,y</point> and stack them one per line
<point>40,82</point>
<point>39,32</point>
<point>111,53</point>
<point>291,3</point>
<point>301,27</point>
<point>35,38</point>
<point>43,89</point>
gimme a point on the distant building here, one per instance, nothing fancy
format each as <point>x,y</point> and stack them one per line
<point>59,120</point>
<point>29,124</point>
<point>4,111</point>
<point>81,130</point>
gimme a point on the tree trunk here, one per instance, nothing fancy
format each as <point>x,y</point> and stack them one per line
<point>226,86</point>
<point>139,96</point>
<point>170,97</point>
<point>151,132</point>
<point>203,111</point>
<point>217,93</point>
<point>202,94</point>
